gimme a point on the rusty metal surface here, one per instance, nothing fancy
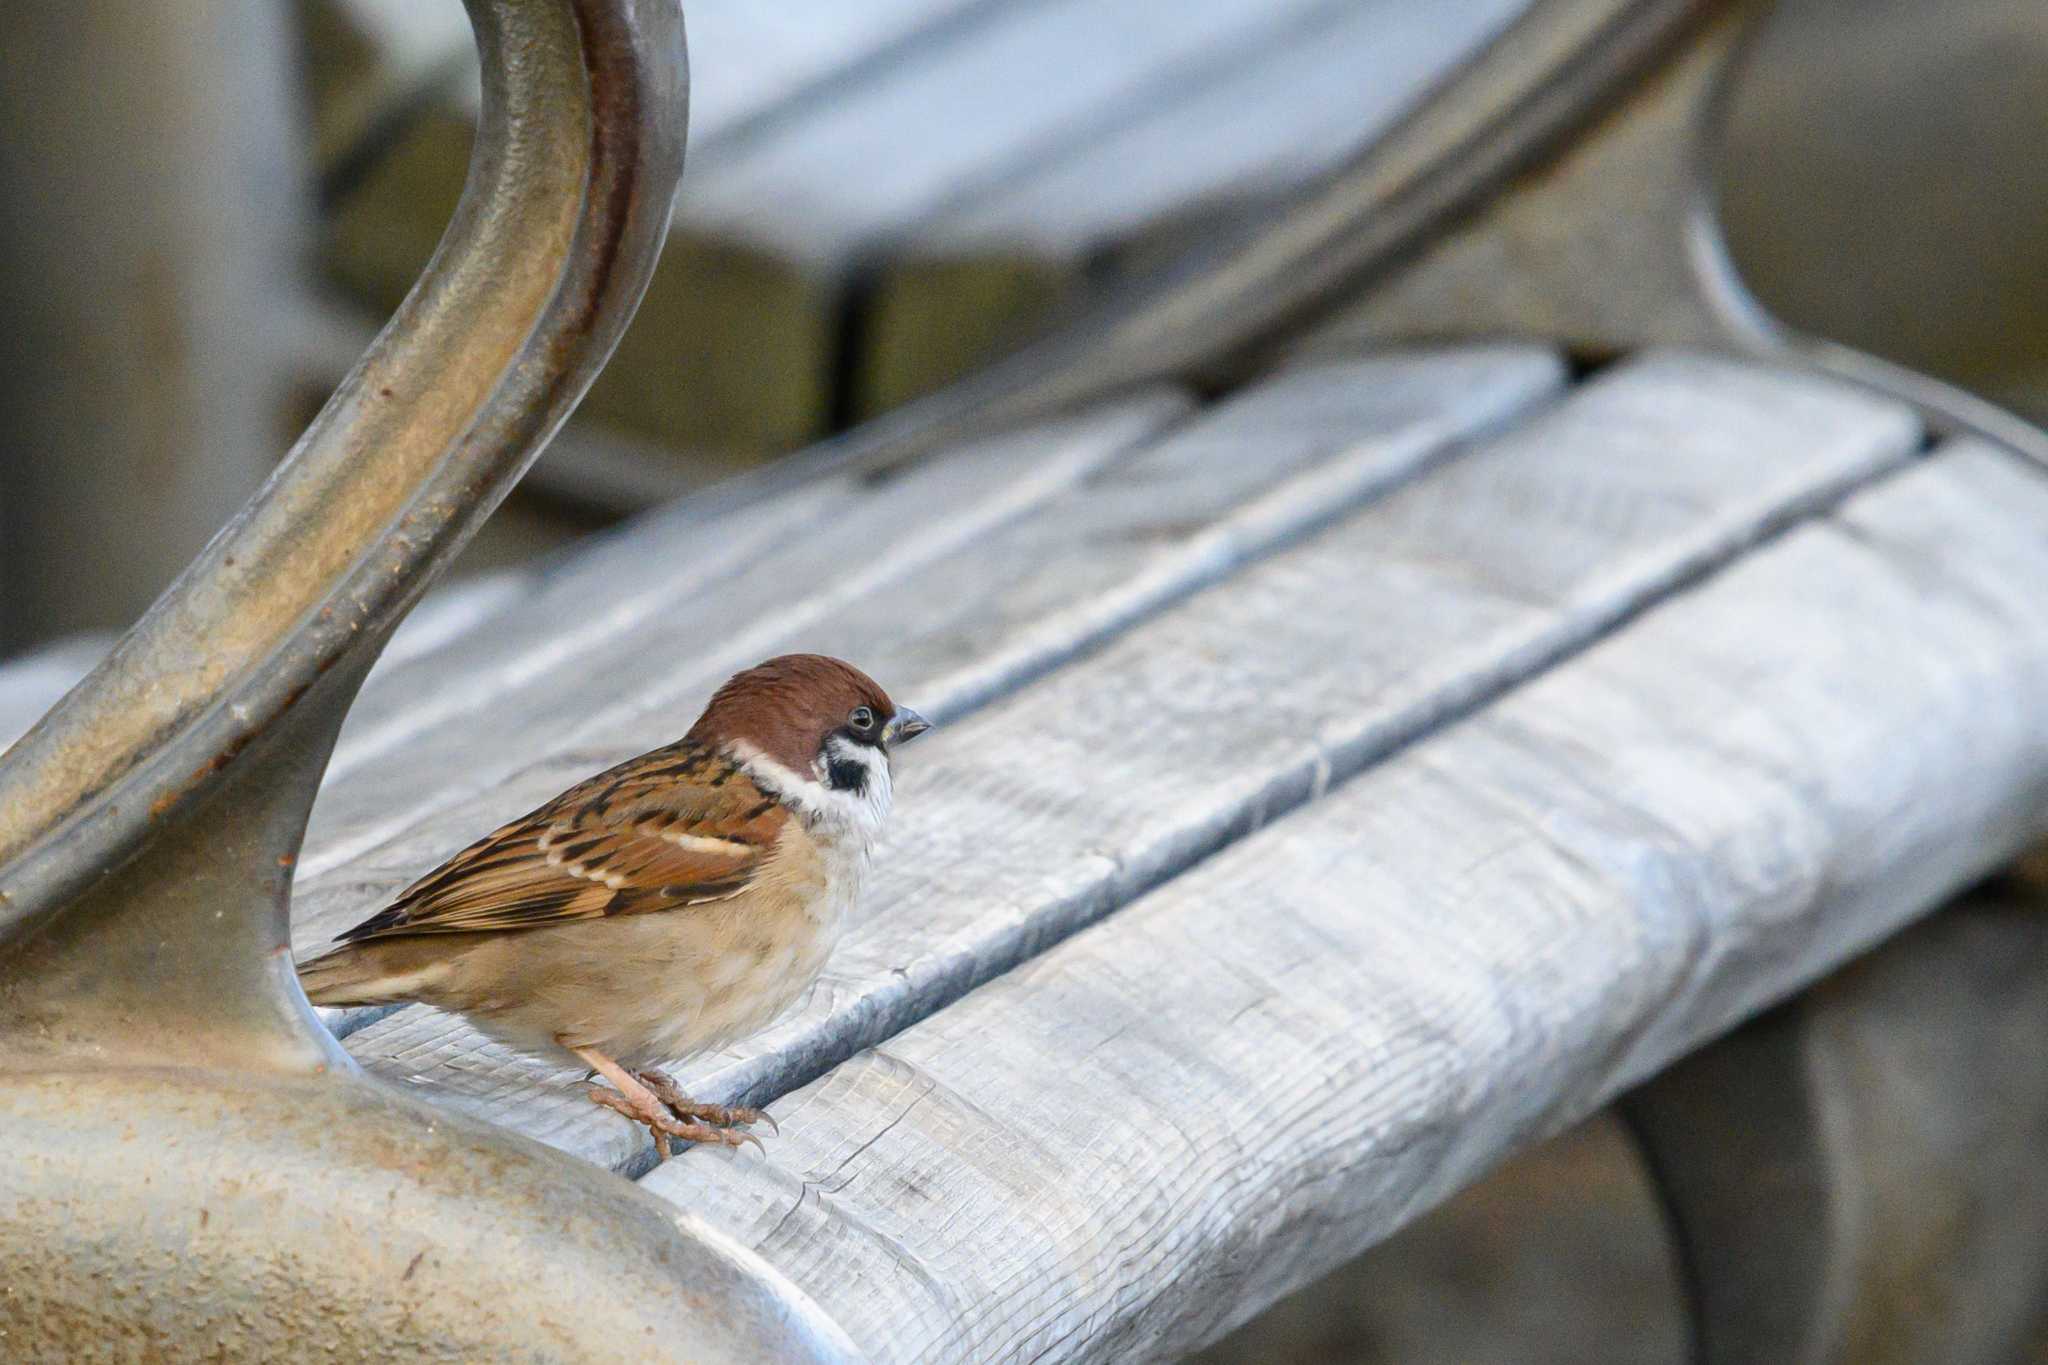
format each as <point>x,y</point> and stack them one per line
<point>188,1165</point>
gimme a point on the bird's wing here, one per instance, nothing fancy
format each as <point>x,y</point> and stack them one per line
<point>677,827</point>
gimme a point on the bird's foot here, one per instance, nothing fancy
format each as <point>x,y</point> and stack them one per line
<point>717,1115</point>
<point>664,1124</point>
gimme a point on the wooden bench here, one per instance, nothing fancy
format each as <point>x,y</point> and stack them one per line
<point>1520,861</point>
<point>1352,769</point>
<point>1339,785</point>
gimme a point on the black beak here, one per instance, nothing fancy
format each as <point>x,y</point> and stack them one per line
<point>906,724</point>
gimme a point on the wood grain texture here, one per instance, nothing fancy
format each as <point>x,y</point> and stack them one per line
<point>1216,491</point>
<point>645,614</point>
<point>1049,808</point>
<point>681,609</point>
<point>1130,1144</point>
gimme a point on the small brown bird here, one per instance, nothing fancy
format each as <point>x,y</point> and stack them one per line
<point>670,904</point>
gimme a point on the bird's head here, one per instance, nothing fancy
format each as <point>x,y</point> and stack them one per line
<point>815,729</point>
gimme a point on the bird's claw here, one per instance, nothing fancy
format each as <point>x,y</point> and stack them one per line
<point>717,1115</point>
<point>663,1124</point>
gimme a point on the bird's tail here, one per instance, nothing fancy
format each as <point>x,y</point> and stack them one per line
<point>363,974</point>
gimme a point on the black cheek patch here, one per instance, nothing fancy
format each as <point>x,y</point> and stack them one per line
<point>846,775</point>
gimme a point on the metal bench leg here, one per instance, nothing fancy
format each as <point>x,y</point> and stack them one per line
<point>1853,1176</point>
<point>1738,1140</point>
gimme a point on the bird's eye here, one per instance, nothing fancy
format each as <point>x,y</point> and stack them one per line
<point>862,719</point>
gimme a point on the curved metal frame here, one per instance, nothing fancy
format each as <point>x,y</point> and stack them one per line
<point>237,679</point>
<point>558,230</point>
<point>1615,243</point>
<point>188,1164</point>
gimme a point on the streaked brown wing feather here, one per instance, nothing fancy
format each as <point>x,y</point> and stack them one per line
<point>673,828</point>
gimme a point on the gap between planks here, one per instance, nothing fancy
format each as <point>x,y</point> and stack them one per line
<point>1472,947</point>
<point>1317,475</point>
<point>1676,545</point>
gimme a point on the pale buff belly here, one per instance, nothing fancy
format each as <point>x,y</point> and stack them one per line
<point>655,988</point>
<point>644,989</point>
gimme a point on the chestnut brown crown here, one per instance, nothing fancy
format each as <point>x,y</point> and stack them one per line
<point>787,707</point>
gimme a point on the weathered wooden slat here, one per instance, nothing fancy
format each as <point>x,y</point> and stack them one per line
<point>751,62</point>
<point>747,59</point>
<point>1043,812</point>
<point>1125,1147</point>
<point>998,611</point>
<point>446,614</point>
<point>1276,112</point>
<point>644,616</point>
<point>962,613</point>
<point>775,227</point>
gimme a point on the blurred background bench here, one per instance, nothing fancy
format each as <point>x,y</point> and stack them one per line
<point>882,197</point>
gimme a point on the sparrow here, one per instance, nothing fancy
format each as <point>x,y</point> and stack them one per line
<point>668,905</point>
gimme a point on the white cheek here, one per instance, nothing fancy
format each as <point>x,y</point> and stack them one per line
<point>825,808</point>
<point>860,812</point>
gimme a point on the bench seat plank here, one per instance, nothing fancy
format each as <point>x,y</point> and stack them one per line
<point>1051,807</point>
<point>1134,1142</point>
<point>1274,117</point>
<point>750,62</point>
<point>958,631</point>
<point>524,699</point>
<point>622,623</point>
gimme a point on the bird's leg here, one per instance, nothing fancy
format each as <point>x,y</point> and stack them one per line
<point>642,1105</point>
<point>682,1106</point>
